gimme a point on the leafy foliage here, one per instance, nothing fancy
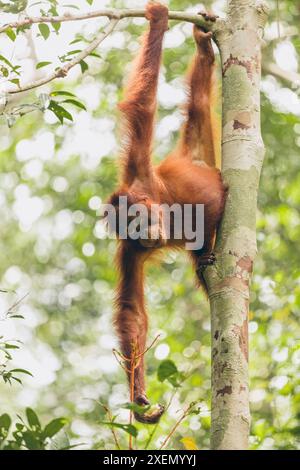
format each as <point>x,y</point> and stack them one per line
<point>28,434</point>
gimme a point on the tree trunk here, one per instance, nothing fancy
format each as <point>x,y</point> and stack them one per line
<point>239,41</point>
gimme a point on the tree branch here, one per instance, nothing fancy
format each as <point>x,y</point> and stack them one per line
<point>114,15</point>
<point>110,13</point>
<point>292,77</point>
<point>63,71</point>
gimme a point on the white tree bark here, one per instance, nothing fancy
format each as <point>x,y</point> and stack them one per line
<point>239,41</point>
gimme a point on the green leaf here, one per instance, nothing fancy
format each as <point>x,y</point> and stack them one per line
<point>11,346</point>
<point>173,380</point>
<point>42,64</point>
<point>73,52</point>
<point>71,6</point>
<point>56,26</point>
<point>44,30</point>
<point>11,34</point>
<point>7,355</point>
<point>83,65</point>
<point>6,61</point>
<point>32,418</point>
<point>60,112</point>
<point>54,12</point>
<point>166,370</point>
<point>16,379</point>
<point>94,54</point>
<point>61,92</point>
<point>75,103</point>
<point>128,428</point>
<point>5,422</point>
<point>76,40</point>
<point>4,71</point>
<point>14,6</point>
<point>32,443</point>
<point>22,371</point>
<point>54,427</point>
<point>15,81</point>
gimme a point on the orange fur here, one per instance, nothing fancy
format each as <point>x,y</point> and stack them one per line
<point>178,179</point>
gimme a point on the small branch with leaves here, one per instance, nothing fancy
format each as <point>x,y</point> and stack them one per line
<point>46,102</point>
<point>62,72</point>
<point>7,346</point>
<point>208,22</point>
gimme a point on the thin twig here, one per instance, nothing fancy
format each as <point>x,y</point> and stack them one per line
<point>148,348</point>
<point>124,358</point>
<point>138,356</point>
<point>110,417</point>
<point>183,416</point>
<point>13,307</point>
<point>112,14</point>
<point>157,424</point>
<point>132,373</point>
<point>116,353</point>
<point>61,72</point>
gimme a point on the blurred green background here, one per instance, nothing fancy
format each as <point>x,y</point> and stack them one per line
<point>53,179</point>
